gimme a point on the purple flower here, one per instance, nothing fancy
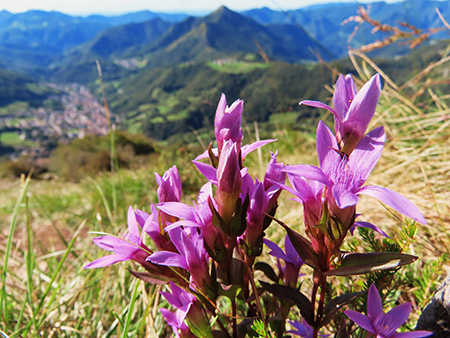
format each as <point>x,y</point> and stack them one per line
<point>180,329</point>
<point>198,216</point>
<point>181,300</point>
<point>381,324</point>
<point>290,271</point>
<point>227,123</point>
<point>303,329</point>
<point>130,247</point>
<point>309,193</point>
<point>191,256</point>
<point>169,189</point>
<point>245,150</point>
<point>274,173</point>
<point>229,181</point>
<point>255,218</point>
<point>352,111</point>
<point>345,176</point>
<point>189,309</point>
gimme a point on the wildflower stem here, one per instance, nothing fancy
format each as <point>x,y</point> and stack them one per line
<point>234,314</point>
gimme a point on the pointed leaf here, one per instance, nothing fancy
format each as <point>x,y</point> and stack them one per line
<point>268,271</point>
<point>293,296</point>
<point>150,278</point>
<point>336,304</point>
<point>217,220</point>
<point>212,157</point>
<point>361,263</point>
<point>302,246</point>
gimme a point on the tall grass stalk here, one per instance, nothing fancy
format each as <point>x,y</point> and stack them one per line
<point>4,301</point>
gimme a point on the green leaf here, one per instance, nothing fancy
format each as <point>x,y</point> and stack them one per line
<point>335,305</point>
<point>293,296</point>
<point>361,263</point>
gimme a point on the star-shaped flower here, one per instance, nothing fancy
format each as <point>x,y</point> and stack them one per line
<point>384,325</point>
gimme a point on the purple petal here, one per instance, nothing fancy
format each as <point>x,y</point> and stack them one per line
<point>208,171</point>
<point>363,107</point>
<point>344,94</point>
<point>369,226</point>
<point>292,191</point>
<point>107,242</point>
<point>168,258</point>
<point>133,227</point>
<point>291,253</point>
<point>360,320</point>
<point>326,145</point>
<point>184,223</point>
<point>177,209</point>
<point>396,317</point>
<point>248,148</point>
<point>125,250</point>
<point>173,299</point>
<point>105,261</point>
<point>276,251</point>
<point>141,217</point>
<point>374,304</point>
<point>308,171</point>
<point>395,201</point>
<point>319,104</point>
<point>344,198</point>
<point>366,154</point>
<point>414,334</point>
<point>205,154</point>
<point>205,193</point>
<point>220,111</point>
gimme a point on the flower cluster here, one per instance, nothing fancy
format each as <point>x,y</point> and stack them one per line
<point>209,249</point>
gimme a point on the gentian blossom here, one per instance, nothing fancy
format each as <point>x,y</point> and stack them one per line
<point>303,329</point>
<point>384,325</point>
<point>345,176</point>
<point>229,181</point>
<point>255,218</point>
<point>169,186</point>
<point>227,123</point>
<point>293,262</point>
<point>191,256</point>
<point>352,111</point>
<point>198,215</point>
<point>188,308</point>
<point>129,247</point>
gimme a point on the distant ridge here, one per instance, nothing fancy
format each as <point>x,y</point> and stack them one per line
<point>224,32</point>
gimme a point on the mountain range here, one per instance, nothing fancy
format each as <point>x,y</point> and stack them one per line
<point>162,71</point>
<point>41,39</point>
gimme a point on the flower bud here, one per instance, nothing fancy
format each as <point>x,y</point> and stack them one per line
<point>229,181</point>
<point>227,123</point>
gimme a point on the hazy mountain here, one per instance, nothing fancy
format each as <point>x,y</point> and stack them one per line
<point>224,33</point>
<point>51,33</point>
<point>119,40</point>
<point>324,21</point>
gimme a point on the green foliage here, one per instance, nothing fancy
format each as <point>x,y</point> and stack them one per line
<point>236,67</point>
<point>91,155</point>
<point>175,100</point>
<point>259,327</point>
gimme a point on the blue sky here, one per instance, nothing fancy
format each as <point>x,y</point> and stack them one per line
<point>85,7</point>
